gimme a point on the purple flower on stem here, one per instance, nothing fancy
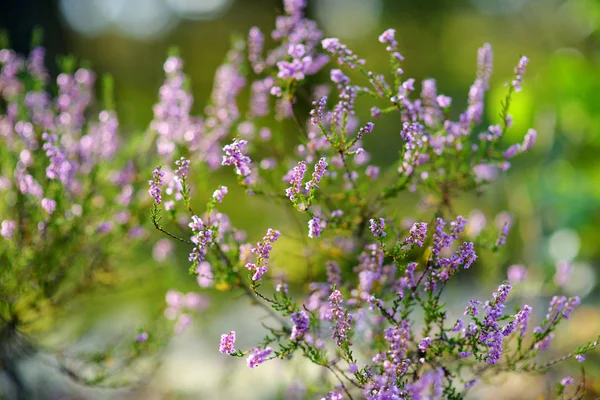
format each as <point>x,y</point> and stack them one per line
<point>234,155</point>
<point>314,227</point>
<point>424,344</point>
<point>157,181</point>
<point>263,249</point>
<point>580,357</point>
<point>342,320</point>
<point>317,175</point>
<point>377,227</point>
<point>227,345</point>
<point>522,319</point>
<point>344,55</point>
<point>258,356</point>
<point>220,193</point>
<point>512,151</point>
<point>520,71</point>
<point>301,323</point>
<point>389,37</point>
<point>368,128</point>
<point>183,167</point>
<point>417,232</point>
<point>296,181</point>
<point>529,139</point>
<point>501,241</point>
<point>316,114</point>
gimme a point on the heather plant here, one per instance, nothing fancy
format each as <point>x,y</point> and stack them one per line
<point>71,208</point>
<point>373,309</point>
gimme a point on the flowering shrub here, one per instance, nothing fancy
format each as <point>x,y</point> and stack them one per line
<point>373,313</point>
<point>375,317</point>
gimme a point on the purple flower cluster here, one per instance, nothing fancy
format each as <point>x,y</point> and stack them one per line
<point>315,226</point>
<point>295,180</point>
<point>491,334</point>
<point>227,345</point>
<point>155,183</point>
<point>441,239</point>
<point>234,155</point>
<point>342,321</point>
<point>317,175</point>
<point>377,227</point>
<point>316,114</point>
<point>344,55</point>
<point>301,323</point>
<point>263,253</point>
<point>219,194</point>
<point>258,356</point>
<point>417,232</point>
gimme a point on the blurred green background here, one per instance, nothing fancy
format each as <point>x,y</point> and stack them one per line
<point>553,192</point>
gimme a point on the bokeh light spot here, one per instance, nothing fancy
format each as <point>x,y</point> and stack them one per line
<point>564,245</point>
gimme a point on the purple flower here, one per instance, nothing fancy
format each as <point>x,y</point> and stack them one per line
<point>157,181</point>
<point>424,344</point>
<point>295,180</point>
<point>344,55</point>
<point>368,128</point>
<point>7,229</point>
<point>301,323</point>
<point>48,205</point>
<point>580,357</point>
<point>227,345</point>
<point>464,354</point>
<point>520,71</point>
<point>342,320</point>
<point>220,193</point>
<point>142,337</point>
<point>316,114</point>
<point>263,249</point>
<point>417,232</point>
<point>522,319</point>
<point>314,227</point>
<point>471,383</point>
<point>512,151</point>
<point>202,239</point>
<point>377,227</point>
<point>258,356</point>
<point>567,381</point>
<point>443,101</point>
<point>183,167</point>
<point>529,139</point>
<point>458,326</point>
<point>501,241</point>
<point>389,37</point>
<point>234,155</point>
<point>317,175</point>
